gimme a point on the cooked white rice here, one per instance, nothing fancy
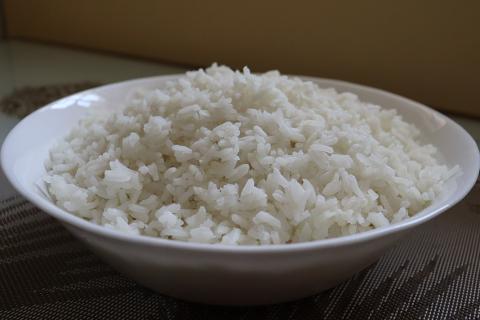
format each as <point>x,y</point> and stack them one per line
<point>228,157</point>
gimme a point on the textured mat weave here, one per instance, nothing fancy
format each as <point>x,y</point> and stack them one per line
<point>28,99</point>
<point>47,274</point>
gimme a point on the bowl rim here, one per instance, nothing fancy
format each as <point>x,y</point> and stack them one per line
<point>75,221</point>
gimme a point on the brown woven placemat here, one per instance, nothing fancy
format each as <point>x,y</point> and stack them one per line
<point>45,273</point>
<point>24,101</point>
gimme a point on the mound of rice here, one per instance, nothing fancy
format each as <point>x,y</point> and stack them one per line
<point>219,156</point>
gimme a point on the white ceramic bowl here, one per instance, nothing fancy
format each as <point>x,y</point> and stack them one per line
<point>222,274</point>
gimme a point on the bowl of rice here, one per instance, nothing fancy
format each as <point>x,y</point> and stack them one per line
<point>229,187</point>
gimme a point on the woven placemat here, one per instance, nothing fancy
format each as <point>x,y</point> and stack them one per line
<point>25,100</point>
<point>45,273</point>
